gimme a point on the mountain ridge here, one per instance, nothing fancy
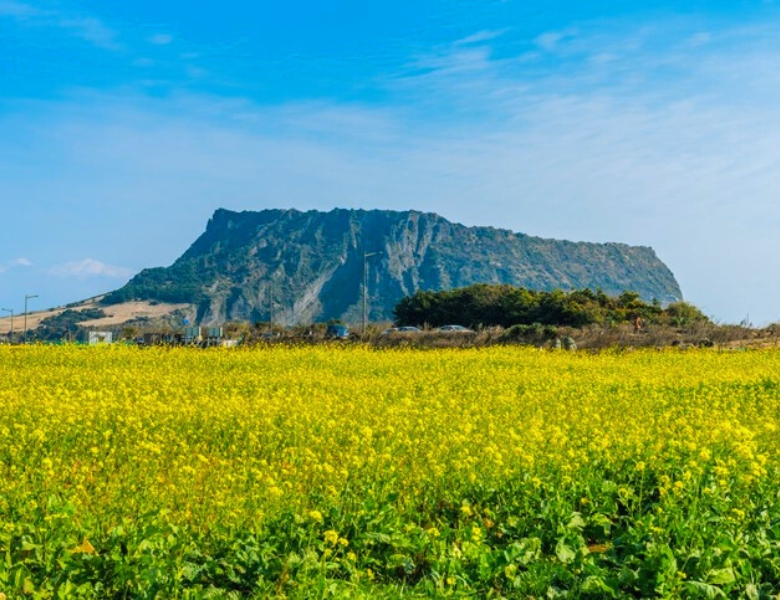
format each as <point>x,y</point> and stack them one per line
<point>295,266</point>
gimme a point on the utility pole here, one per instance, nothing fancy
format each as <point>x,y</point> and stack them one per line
<point>26,298</point>
<point>11,335</point>
<point>366,256</point>
<point>271,304</point>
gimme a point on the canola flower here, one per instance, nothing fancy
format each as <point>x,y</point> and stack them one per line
<point>271,471</point>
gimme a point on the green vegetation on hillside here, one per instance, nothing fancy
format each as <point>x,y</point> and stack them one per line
<point>65,325</point>
<point>180,283</point>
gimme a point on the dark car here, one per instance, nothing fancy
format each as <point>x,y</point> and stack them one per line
<point>337,332</point>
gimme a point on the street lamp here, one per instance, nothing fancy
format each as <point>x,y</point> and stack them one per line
<point>10,310</point>
<point>366,256</point>
<point>26,298</point>
<point>271,306</point>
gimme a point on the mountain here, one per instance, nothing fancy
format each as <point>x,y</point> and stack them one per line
<point>300,267</point>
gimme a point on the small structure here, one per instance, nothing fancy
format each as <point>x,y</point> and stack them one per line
<point>212,335</point>
<point>100,337</point>
<point>192,335</point>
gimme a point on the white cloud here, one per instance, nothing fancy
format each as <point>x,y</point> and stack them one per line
<point>481,36</point>
<point>90,267</point>
<point>161,39</point>
<point>551,39</point>
<point>92,30</point>
<point>85,27</point>
<point>19,10</point>
<point>699,39</point>
<point>14,263</point>
<point>461,60</point>
<point>547,41</point>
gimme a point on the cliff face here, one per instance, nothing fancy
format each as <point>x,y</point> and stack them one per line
<point>300,267</point>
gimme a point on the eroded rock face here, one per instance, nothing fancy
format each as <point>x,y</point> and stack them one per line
<point>298,267</point>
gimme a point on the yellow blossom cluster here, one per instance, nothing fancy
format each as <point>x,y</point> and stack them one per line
<point>233,434</point>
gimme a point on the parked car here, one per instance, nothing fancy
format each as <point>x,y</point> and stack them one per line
<point>404,329</point>
<point>337,332</point>
<point>455,329</point>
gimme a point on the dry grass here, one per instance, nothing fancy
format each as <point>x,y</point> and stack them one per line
<point>117,314</point>
<point>595,337</point>
<point>658,336</point>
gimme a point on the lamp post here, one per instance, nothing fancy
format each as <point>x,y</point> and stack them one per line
<point>26,298</point>
<point>366,256</point>
<point>271,294</point>
<point>11,335</point>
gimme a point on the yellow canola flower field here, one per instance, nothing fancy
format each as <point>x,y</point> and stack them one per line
<point>289,471</point>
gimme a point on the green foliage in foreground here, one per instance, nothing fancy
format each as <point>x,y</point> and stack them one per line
<point>519,541</point>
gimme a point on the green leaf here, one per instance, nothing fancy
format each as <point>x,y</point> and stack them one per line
<point>576,522</point>
<point>595,584</point>
<point>564,553</point>
<point>600,519</point>
<point>28,587</point>
<point>699,589</point>
<point>721,576</point>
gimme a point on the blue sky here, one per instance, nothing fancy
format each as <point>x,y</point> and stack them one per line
<point>123,126</point>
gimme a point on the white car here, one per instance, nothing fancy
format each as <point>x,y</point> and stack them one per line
<point>455,329</point>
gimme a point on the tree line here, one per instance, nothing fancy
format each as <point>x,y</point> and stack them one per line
<point>507,305</point>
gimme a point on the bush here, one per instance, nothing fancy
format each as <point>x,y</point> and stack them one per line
<point>530,334</point>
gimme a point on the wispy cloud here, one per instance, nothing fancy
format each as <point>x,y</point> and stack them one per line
<point>481,36</point>
<point>19,10</point>
<point>700,38</point>
<point>161,39</point>
<point>551,39</point>
<point>88,268</point>
<point>14,263</point>
<point>455,60</point>
<point>90,29</point>
<point>86,27</point>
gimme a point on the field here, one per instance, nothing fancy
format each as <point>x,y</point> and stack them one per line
<point>352,472</point>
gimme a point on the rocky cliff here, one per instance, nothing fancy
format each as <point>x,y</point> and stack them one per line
<point>298,267</point>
